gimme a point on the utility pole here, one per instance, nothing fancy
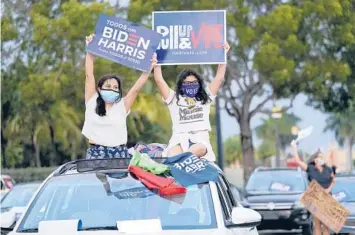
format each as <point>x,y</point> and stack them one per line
<point>218,122</point>
<point>276,114</point>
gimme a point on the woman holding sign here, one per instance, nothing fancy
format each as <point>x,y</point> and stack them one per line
<point>316,170</point>
<point>107,110</point>
<point>189,107</point>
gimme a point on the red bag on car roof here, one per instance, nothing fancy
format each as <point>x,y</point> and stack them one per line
<point>165,186</point>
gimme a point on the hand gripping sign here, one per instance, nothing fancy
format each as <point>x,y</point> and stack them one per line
<point>124,42</point>
<point>304,133</point>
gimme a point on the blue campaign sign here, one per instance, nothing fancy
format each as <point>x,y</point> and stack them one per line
<point>124,42</point>
<point>191,37</point>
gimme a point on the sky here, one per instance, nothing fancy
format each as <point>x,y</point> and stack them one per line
<point>309,116</point>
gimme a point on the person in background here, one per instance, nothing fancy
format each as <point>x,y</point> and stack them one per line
<point>107,110</point>
<point>290,161</point>
<point>189,107</point>
<point>317,170</point>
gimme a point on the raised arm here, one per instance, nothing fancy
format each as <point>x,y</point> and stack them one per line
<point>133,92</point>
<point>161,83</point>
<point>90,85</point>
<point>297,159</point>
<point>221,71</point>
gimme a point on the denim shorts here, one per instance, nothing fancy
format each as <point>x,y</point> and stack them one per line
<point>99,152</point>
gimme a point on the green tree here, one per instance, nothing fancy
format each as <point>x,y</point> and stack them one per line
<point>43,106</point>
<point>265,150</point>
<point>267,132</point>
<point>276,55</point>
<point>232,149</point>
<point>335,41</point>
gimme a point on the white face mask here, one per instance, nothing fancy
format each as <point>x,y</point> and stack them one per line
<point>320,162</point>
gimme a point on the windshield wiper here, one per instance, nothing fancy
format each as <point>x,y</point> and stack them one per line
<point>99,228</point>
<point>28,230</point>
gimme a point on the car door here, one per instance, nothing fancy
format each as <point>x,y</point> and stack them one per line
<point>228,202</point>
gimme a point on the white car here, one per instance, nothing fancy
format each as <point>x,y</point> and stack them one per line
<point>16,200</point>
<point>90,197</point>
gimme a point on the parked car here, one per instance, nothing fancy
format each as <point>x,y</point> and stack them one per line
<point>275,193</point>
<point>102,197</point>
<point>16,200</point>
<point>6,184</point>
<point>344,192</point>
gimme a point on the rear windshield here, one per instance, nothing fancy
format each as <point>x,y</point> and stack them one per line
<point>276,181</point>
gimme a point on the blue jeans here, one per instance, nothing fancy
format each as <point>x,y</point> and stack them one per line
<point>100,152</point>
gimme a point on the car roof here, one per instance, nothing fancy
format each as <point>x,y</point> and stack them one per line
<point>345,178</point>
<point>110,165</point>
<point>274,169</point>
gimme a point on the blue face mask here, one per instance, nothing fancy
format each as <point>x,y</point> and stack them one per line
<point>190,90</point>
<point>110,96</point>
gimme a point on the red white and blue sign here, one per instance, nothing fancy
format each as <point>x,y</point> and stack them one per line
<point>124,42</point>
<point>191,37</point>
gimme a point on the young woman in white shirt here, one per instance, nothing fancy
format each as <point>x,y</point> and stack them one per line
<point>189,107</point>
<point>106,111</point>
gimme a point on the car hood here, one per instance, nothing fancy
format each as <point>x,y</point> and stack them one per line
<point>351,207</point>
<point>166,232</point>
<point>281,198</point>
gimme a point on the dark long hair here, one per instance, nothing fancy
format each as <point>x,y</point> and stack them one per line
<point>100,103</point>
<point>201,94</point>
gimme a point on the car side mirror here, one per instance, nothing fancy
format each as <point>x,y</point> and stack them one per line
<point>243,217</point>
<point>7,219</point>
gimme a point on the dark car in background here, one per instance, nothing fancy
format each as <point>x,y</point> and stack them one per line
<point>276,193</point>
<point>344,192</point>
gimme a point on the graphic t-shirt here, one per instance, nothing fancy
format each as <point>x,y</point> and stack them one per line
<point>189,115</point>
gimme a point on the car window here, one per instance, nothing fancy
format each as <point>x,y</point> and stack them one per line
<point>236,194</point>
<point>222,197</point>
<point>344,190</point>
<point>226,199</point>
<point>19,196</point>
<point>228,190</point>
<point>84,197</point>
<point>276,181</point>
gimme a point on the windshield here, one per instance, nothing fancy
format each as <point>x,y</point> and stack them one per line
<point>344,189</point>
<point>100,201</point>
<point>19,196</point>
<point>276,181</point>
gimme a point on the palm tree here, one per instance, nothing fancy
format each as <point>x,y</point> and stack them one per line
<point>232,149</point>
<point>266,132</point>
<point>343,125</point>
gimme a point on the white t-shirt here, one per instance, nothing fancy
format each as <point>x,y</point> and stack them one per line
<point>109,130</point>
<point>188,115</point>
